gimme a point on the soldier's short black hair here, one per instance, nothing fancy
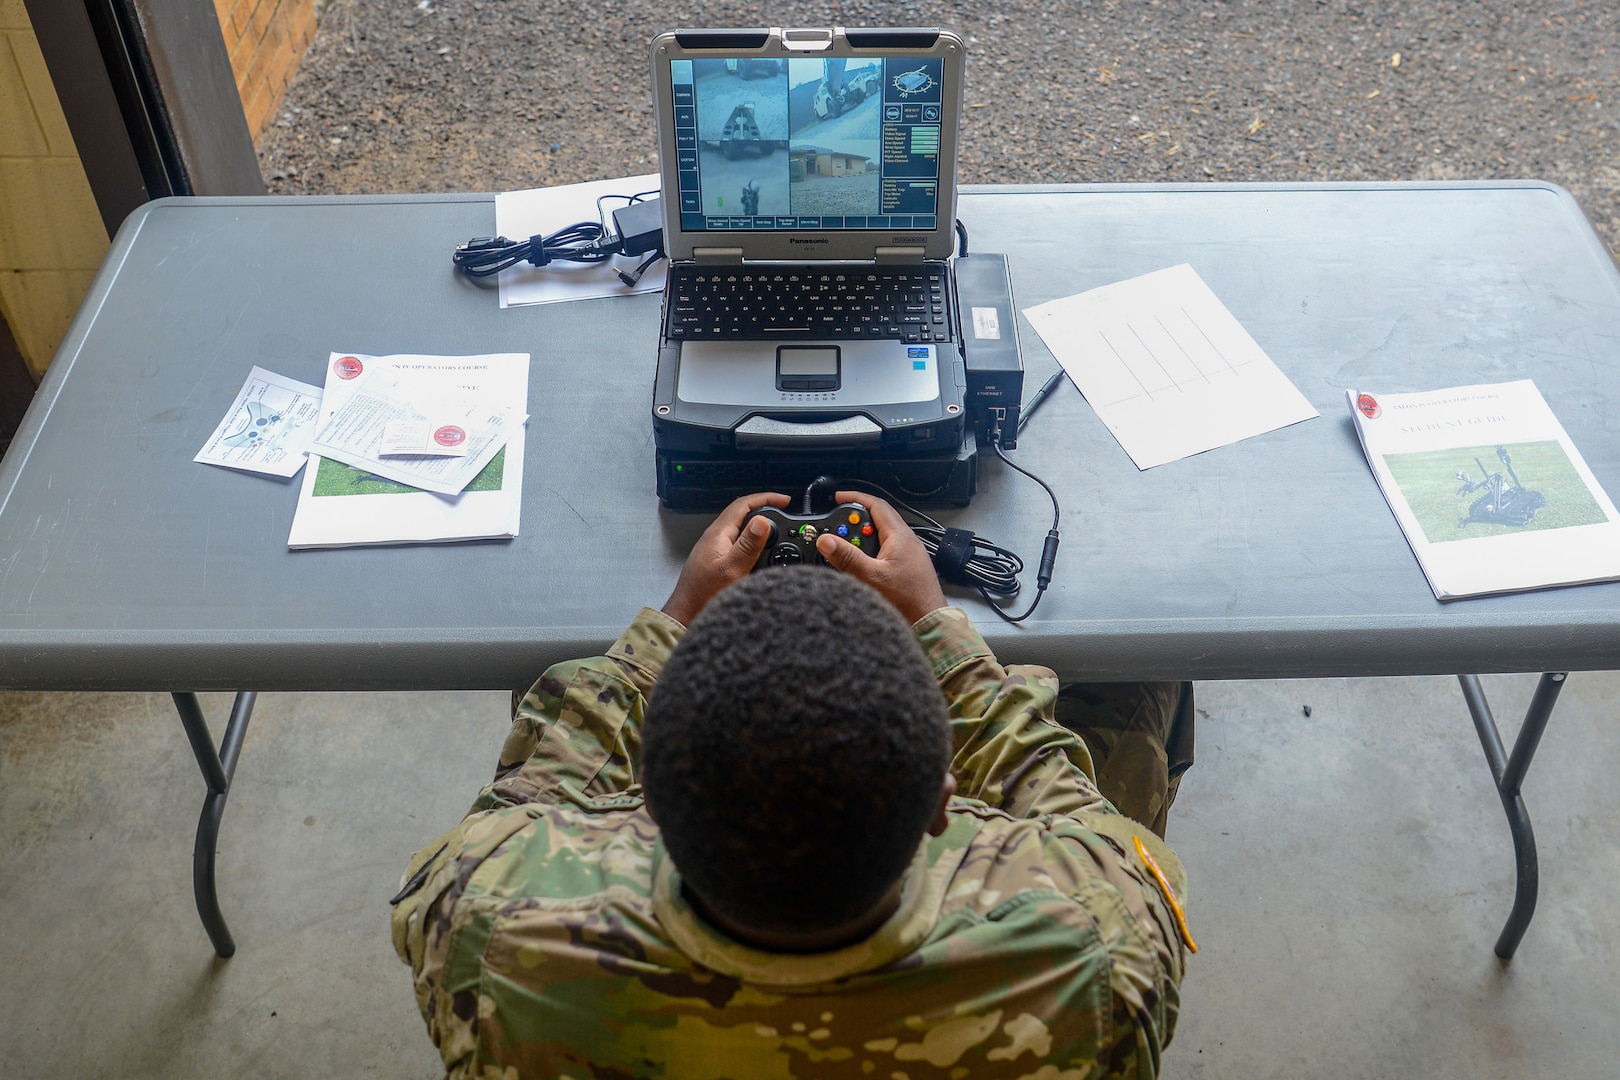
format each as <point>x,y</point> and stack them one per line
<point>794,750</point>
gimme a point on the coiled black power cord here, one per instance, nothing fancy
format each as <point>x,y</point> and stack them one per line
<point>583,241</point>
<point>962,557</point>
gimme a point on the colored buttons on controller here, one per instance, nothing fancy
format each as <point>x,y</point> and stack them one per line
<point>793,539</point>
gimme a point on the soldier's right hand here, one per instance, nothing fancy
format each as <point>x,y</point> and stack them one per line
<point>901,570</point>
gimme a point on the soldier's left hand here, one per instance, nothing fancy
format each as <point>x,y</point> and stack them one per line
<point>725,553</point>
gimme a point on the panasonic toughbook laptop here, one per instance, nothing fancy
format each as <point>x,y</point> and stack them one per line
<point>809,195</point>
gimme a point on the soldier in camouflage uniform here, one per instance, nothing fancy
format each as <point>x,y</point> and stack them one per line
<point>1028,930</point>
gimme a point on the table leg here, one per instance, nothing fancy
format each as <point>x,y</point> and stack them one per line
<point>1508,772</point>
<point>217,768</point>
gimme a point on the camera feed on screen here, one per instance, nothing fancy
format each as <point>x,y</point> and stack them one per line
<point>797,143</point>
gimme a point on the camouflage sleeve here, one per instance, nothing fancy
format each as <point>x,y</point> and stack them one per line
<point>1010,753</point>
<point>1007,750</point>
<point>576,736</point>
<point>577,732</point>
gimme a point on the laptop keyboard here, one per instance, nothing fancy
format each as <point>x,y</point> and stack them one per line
<point>901,304</point>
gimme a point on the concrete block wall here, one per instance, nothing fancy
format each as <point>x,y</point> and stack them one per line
<point>265,39</point>
<point>51,235</point>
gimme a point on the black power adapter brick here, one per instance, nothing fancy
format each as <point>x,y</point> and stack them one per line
<point>988,331</point>
<point>640,226</point>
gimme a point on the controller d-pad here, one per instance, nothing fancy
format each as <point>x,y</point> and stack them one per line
<point>785,555</point>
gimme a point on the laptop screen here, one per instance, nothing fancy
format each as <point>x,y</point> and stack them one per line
<point>788,144</point>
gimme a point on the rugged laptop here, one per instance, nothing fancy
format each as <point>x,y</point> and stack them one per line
<point>809,195</point>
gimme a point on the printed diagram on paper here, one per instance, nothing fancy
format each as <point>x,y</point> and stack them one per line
<point>268,427</point>
<point>1167,367</point>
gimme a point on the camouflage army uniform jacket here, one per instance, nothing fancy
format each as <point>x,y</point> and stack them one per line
<point>549,938</point>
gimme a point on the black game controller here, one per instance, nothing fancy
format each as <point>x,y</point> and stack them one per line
<point>793,536</point>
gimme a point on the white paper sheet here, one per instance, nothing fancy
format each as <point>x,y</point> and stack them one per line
<point>1168,368</point>
<point>339,506</point>
<point>1488,488</point>
<point>521,214</point>
<point>268,428</point>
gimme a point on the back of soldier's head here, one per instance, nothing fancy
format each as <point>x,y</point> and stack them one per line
<point>794,750</point>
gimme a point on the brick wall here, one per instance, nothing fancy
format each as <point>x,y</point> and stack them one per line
<point>51,235</point>
<point>266,39</point>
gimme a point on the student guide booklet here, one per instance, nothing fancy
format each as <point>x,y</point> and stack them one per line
<point>340,505</point>
<point>1488,488</point>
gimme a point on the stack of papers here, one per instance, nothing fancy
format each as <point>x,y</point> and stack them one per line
<point>1488,488</point>
<point>431,422</point>
<point>415,449</point>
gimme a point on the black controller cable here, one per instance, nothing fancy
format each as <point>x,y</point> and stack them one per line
<point>1049,550</point>
<point>987,567</point>
<point>960,556</point>
<point>583,241</point>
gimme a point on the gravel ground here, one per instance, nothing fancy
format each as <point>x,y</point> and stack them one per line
<point>488,95</point>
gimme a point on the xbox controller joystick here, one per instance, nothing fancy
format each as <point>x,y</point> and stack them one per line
<point>793,536</point>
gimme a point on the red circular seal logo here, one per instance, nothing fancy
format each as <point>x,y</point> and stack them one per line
<point>449,435</point>
<point>347,367</point>
<point>1368,406</point>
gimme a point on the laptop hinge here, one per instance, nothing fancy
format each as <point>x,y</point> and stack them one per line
<point>899,255</point>
<point>717,255</point>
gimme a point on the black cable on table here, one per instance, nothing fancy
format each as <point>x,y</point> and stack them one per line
<point>582,242</point>
<point>991,569</point>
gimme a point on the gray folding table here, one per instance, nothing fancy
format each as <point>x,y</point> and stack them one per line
<point>126,566</point>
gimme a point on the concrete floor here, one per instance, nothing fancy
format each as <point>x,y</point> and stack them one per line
<point>1350,871</point>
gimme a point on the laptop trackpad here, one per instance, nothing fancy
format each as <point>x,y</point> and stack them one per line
<point>807,367</point>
